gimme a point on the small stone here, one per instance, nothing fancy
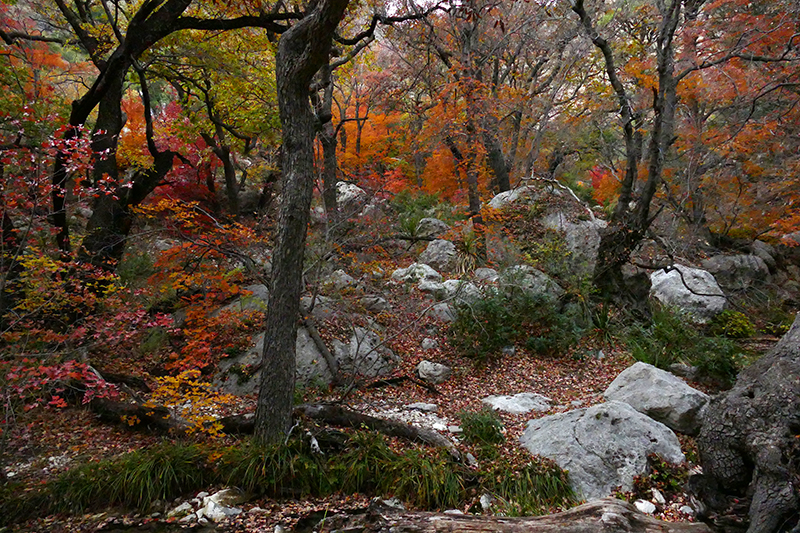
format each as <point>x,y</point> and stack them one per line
<point>429,344</point>
<point>658,497</point>
<point>486,502</point>
<point>685,509</point>
<point>455,429</point>
<point>471,460</point>
<point>424,407</point>
<point>439,427</point>
<point>453,512</point>
<point>181,510</point>
<point>645,506</point>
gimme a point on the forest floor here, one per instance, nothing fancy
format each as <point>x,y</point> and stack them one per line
<point>46,442</point>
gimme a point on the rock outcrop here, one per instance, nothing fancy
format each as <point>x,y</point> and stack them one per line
<point>661,396</point>
<point>692,290</point>
<point>602,447</point>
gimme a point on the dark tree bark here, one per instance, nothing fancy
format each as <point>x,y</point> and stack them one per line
<point>750,441</point>
<point>302,51</point>
<point>607,516</point>
<point>631,217</point>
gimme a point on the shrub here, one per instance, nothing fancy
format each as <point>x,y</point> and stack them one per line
<point>484,327</point>
<point>670,338</point>
<point>732,324</point>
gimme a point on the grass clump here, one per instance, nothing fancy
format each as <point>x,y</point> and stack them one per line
<point>483,428</point>
<point>527,488</point>
<point>423,478</point>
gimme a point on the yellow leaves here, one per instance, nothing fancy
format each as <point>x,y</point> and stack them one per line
<point>131,420</point>
<point>194,400</point>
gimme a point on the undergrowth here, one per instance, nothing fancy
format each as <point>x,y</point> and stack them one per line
<point>423,478</point>
<point>670,338</point>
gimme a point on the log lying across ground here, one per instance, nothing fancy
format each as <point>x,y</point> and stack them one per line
<point>600,516</point>
<point>159,419</point>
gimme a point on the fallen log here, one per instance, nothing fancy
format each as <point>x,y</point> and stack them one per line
<point>338,415</point>
<point>607,516</point>
<point>159,419</point>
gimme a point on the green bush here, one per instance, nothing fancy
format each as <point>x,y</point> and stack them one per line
<point>732,324</point>
<point>483,428</point>
<point>671,338</point>
<point>484,327</point>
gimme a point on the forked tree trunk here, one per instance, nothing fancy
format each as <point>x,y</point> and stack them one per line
<point>302,51</point>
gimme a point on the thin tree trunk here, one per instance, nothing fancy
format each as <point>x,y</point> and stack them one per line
<point>302,51</point>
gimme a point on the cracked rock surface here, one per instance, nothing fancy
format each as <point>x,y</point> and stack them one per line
<point>602,447</point>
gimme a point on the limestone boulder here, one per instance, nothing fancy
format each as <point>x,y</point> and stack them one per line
<point>737,272</point>
<point>582,239</point>
<point>416,272</point>
<point>518,404</point>
<point>692,290</point>
<point>440,255</point>
<point>433,372</point>
<point>602,447</point>
<point>525,193</point>
<point>431,227</point>
<point>534,282</point>
<point>660,395</point>
<point>460,291</point>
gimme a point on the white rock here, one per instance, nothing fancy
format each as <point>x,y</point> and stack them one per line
<point>433,372</point>
<point>518,404</point>
<point>658,497</point>
<point>645,506</point>
<point>181,510</point>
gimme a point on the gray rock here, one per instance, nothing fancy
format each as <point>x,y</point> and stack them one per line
<point>340,280</point>
<point>645,506</point>
<point>460,291</point>
<point>518,404</point>
<point>424,407</point>
<point>429,344</point>
<point>375,304</point>
<point>350,198</point>
<point>485,275</point>
<point>582,238</point>
<point>692,290</point>
<point>432,287</point>
<point>602,447</point>
<point>220,505</point>
<point>443,312</point>
<point>661,396</point>
<point>311,368</point>
<point>533,281</point>
<point>433,372</point>
<point>416,272</point>
<point>181,510</point>
<point>441,255</point>
<point>431,227</point>
<point>737,272</point>
<point>527,192</point>
<point>324,307</point>
<point>766,252</point>
<point>367,356</point>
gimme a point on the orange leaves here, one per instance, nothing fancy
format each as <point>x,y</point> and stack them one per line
<point>605,186</point>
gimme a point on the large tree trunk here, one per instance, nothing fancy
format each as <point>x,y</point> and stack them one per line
<point>302,51</point>
<point>607,516</point>
<point>750,442</point>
